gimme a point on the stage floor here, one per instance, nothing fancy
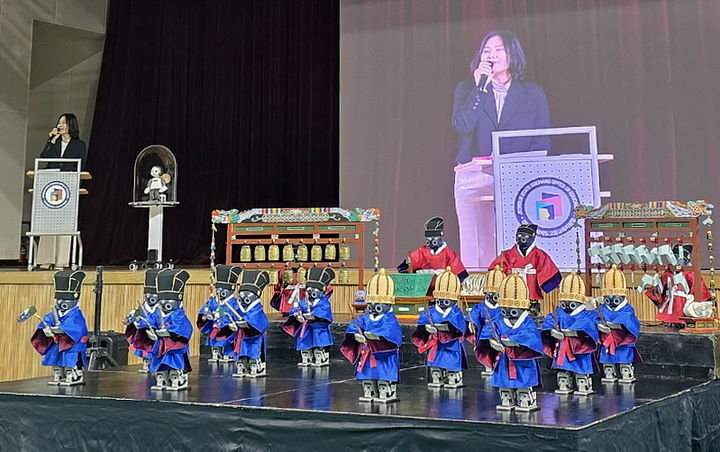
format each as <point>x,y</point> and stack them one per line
<point>334,390</point>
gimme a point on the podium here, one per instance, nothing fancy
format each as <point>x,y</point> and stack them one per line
<point>494,194</point>
<point>55,203</point>
<point>534,187</point>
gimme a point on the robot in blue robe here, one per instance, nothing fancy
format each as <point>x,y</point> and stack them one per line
<point>310,319</point>
<point>487,309</point>
<point>245,324</point>
<point>62,335</point>
<point>144,316</point>
<point>208,318</point>
<point>512,347</point>
<point>570,338</point>
<point>441,333</point>
<point>372,342</point>
<point>170,362</point>
<point>619,330</point>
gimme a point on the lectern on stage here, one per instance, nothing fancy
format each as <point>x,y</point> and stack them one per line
<point>55,202</point>
<point>155,187</point>
<point>508,189</point>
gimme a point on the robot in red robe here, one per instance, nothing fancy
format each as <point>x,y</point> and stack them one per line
<point>534,265</point>
<point>287,290</point>
<point>435,256</point>
<point>673,292</point>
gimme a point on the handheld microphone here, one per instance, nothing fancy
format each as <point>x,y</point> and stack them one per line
<point>484,79</point>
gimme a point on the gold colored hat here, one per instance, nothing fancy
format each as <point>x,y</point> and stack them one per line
<point>493,280</point>
<point>380,289</point>
<point>572,288</point>
<point>514,292</point>
<point>447,286</point>
<point>613,283</point>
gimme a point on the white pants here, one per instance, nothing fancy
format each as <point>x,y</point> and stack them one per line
<point>476,217</point>
<point>53,250</point>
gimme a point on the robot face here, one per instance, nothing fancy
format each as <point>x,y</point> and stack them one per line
<point>524,240</point>
<point>313,293</point>
<point>613,301</point>
<point>492,298</point>
<point>511,314</point>
<point>434,243</point>
<point>156,171</point>
<point>223,293</point>
<point>569,306</point>
<point>169,306</point>
<point>151,299</point>
<point>247,298</point>
<point>378,308</point>
<point>64,305</point>
<point>444,304</point>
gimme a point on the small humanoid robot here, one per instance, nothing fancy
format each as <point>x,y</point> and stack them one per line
<point>226,278</point>
<point>156,185</point>
<point>534,265</point>
<point>170,362</point>
<point>435,256</point>
<point>512,347</point>
<point>488,308</point>
<point>288,288</point>
<point>619,330</point>
<point>372,342</point>
<point>310,319</point>
<point>61,336</point>
<point>440,333</point>
<point>146,315</point>
<point>570,338</point>
<point>244,324</point>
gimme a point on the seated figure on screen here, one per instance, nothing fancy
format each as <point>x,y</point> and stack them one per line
<point>311,317</point>
<point>441,332</point>
<point>511,347</point>
<point>61,335</point>
<point>170,354</point>
<point>372,342</point>
<point>144,317</point>
<point>570,338</point>
<point>435,256</point>
<point>483,313</point>
<point>673,293</point>
<point>208,318</point>
<point>244,324</point>
<point>534,265</point>
<point>619,330</point>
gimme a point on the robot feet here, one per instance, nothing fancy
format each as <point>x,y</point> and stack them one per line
<point>584,384</point>
<point>145,366</point>
<point>610,374</point>
<point>370,390</point>
<point>162,379</point>
<point>387,391</point>
<point>507,399</point>
<point>73,376</point>
<point>178,380</point>
<point>58,376</point>
<point>322,357</point>
<point>436,377</point>
<point>627,373</point>
<point>242,368</point>
<point>454,379</point>
<point>258,368</point>
<point>306,358</point>
<point>526,400</point>
<point>565,383</point>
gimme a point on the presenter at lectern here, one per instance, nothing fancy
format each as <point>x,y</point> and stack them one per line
<point>63,142</point>
<point>496,98</point>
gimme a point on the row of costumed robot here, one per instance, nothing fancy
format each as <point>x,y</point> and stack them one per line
<point>502,330</point>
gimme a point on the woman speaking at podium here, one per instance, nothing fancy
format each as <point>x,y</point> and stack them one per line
<point>496,98</point>
<point>63,142</point>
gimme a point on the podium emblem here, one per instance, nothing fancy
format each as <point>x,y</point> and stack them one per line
<point>548,202</point>
<point>55,195</point>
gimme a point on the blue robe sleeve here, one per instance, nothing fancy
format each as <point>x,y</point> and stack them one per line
<point>387,328</point>
<point>625,316</point>
<point>256,318</point>
<point>527,335</point>
<point>177,323</point>
<point>323,309</point>
<point>74,325</point>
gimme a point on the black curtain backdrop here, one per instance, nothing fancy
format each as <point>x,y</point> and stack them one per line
<point>244,93</point>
